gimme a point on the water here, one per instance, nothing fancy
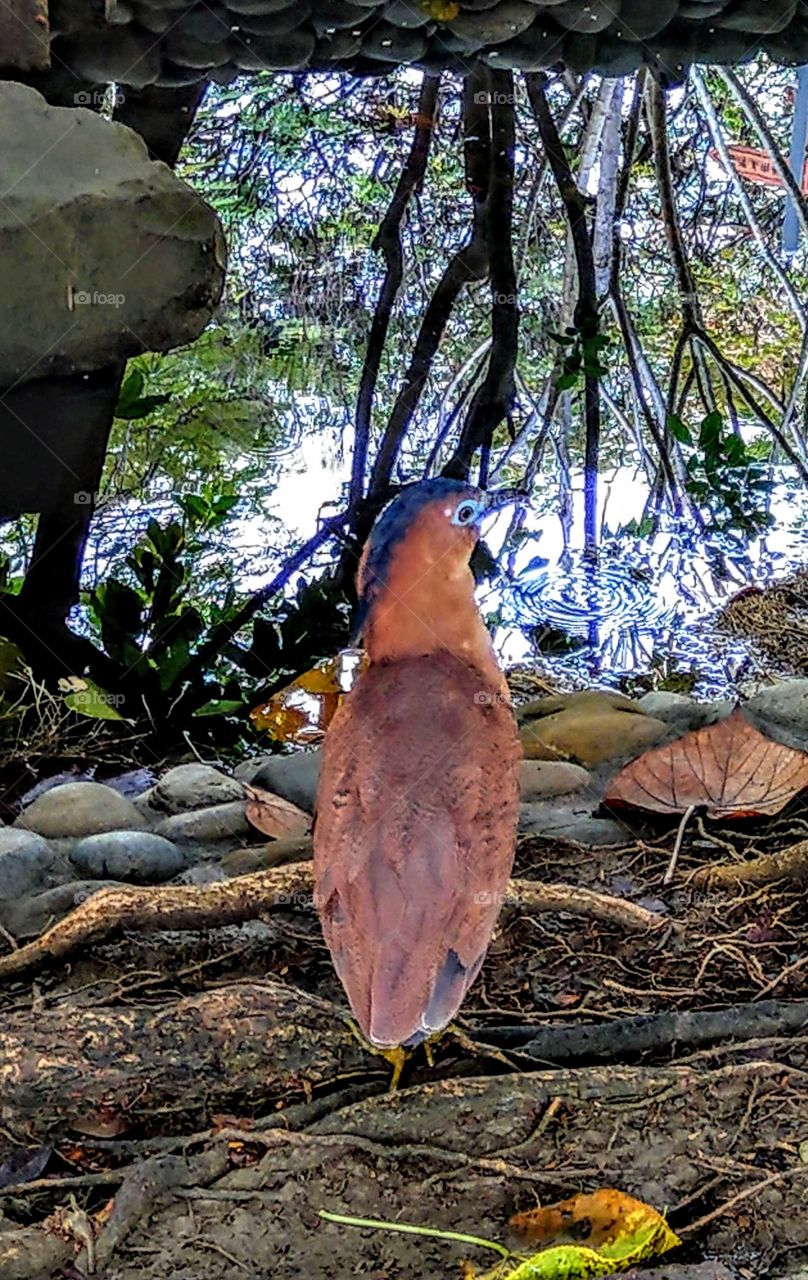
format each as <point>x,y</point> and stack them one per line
<point>648,604</point>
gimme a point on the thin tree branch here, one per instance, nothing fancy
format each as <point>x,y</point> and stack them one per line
<point>388,242</point>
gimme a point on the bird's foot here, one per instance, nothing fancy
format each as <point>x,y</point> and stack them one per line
<point>397,1057</point>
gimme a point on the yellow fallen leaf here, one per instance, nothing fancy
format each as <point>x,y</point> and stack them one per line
<point>303,710</point>
<point>620,1232</point>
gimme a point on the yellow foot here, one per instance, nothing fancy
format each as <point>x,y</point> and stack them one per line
<point>396,1057</point>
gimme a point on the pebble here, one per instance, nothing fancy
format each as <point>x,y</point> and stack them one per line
<point>28,864</point>
<point>782,712</point>
<point>539,779</point>
<point>571,821</point>
<point>136,857</point>
<point>681,712</point>
<point>192,786</point>
<point>80,809</point>
<point>293,777</point>
<point>589,728</point>
<point>28,917</point>
<point>207,826</point>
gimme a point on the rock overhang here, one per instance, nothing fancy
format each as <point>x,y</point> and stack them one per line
<point>174,43</point>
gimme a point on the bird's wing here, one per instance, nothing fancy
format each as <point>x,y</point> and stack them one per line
<point>414,839</point>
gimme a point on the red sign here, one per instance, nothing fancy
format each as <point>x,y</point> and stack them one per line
<point>756,166</point>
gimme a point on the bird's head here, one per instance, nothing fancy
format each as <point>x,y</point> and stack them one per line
<point>426,534</point>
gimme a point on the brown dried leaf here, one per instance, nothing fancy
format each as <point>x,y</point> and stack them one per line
<point>729,767</point>
<point>273,815</point>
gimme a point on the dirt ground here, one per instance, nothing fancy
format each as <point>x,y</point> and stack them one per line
<point>200,1098</point>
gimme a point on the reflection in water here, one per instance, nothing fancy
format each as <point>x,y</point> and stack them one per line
<point>646,600</point>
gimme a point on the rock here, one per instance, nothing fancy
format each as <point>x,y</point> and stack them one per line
<point>273,854</point>
<point>80,809</point>
<point>193,786</point>
<point>28,864</point>
<point>782,712</point>
<point>82,191</point>
<point>136,857</point>
<point>293,777</point>
<point>539,779</point>
<point>496,25</point>
<point>571,821</point>
<point>589,728</point>
<point>28,917</point>
<point>681,712</point>
<point>207,826</point>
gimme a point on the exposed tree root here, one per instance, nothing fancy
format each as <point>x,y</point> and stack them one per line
<point>249,896</point>
<point>105,1069</point>
<point>789,864</point>
<point>616,1041</point>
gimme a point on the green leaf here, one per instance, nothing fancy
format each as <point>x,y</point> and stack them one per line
<point>221,707</point>
<point>94,702</point>
<point>565,381</point>
<point>142,407</point>
<point>678,429</point>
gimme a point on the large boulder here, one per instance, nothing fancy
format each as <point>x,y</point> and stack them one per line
<point>105,252</point>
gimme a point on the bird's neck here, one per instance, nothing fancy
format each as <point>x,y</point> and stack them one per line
<point>428,609</point>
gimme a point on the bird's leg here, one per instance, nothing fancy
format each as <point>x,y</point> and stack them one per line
<point>397,1057</point>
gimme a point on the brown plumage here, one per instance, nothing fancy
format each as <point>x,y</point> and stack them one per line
<point>418,795</point>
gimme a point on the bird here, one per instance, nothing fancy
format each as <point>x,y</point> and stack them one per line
<point>417,802</point>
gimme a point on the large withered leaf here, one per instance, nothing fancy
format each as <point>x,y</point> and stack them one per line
<point>730,768</point>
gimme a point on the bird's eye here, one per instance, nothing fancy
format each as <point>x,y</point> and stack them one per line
<point>466,512</point>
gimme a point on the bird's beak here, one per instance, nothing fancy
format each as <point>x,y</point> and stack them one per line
<point>497,498</point>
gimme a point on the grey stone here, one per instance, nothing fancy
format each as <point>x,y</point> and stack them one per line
<point>28,917</point>
<point>681,712</point>
<point>403,13</point>
<point>80,809</point>
<point>640,20</point>
<point>192,786</point>
<point>189,51</point>
<point>209,23</point>
<point>289,51</point>
<point>571,821</point>
<point>782,712</point>
<point>293,777</point>
<point>494,26</point>
<point>126,55</point>
<point>82,191</point>
<point>588,16</point>
<point>389,43</point>
<point>207,826</point>
<point>269,24</point>
<point>136,857</point>
<point>28,864</point>
<point>539,779</point>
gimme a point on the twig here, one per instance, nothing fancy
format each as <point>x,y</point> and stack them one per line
<point>586,307</point>
<point>388,242</point>
<point>796,1171</point>
<point>677,847</point>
